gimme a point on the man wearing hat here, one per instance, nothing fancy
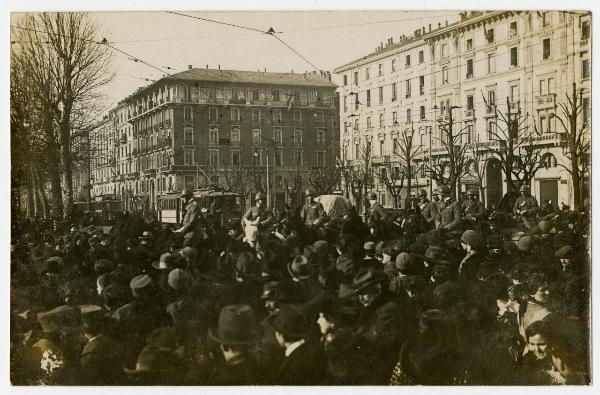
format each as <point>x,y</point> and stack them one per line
<point>259,215</point>
<point>237,334</point>
<point>380,322</point>
<point>370,259</point>
<point>526,206</point>
<point>313,213</point>
<point>377,217</point>
<point>193,227</point>
<point>304,363</point>
<point>429,209</point>
<point>102,356</point>
<point>472,209</point>
<point>449,217</point>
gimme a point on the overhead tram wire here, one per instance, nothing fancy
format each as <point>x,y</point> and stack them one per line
<point>215,21</point>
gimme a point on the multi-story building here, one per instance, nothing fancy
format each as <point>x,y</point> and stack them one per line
<point>483,65</point>
<point>102,158</point>
<point>228,128</point>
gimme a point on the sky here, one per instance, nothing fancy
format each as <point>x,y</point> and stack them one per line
<point>172,42</point>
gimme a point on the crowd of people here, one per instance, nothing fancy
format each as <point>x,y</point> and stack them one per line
<point>442,293</point>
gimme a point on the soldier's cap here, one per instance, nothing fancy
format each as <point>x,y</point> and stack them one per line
<point>472,192</point>
<point>524,188</point>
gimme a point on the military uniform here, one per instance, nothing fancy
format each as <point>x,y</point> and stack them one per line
<point>473,208</point>
<point>262,212</point>
<point>193,227</point>
<point>526,207</point>
<point>377,218</point>
<point>449,216</point>
<point>313,213</point>
<point>429,211</point>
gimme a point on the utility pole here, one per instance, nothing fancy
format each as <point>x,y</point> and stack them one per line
<point>450,142</point>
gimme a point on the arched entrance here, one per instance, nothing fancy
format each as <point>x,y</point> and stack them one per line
<point>493,182</point>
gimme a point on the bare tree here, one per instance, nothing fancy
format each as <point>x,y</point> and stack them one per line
<point>478,160</point>
<point>515,148</point>
<point>457,161</point>
<point>578,146</point>
<point>393,178</point>
<point>357,177</point>
<point>323,179</point>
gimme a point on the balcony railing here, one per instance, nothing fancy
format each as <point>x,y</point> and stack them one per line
<point>544,99</point>
<point>380,160</point>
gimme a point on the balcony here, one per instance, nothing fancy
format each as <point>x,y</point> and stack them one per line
<point>149,172</point>
<point>469,113</point>
<point>550,138</point>
<point>380,160</point>
<point>545,101</point>
<point>321,144</point>
<point>235,143</point>
<point>469,76</point>
<point>514,105</point>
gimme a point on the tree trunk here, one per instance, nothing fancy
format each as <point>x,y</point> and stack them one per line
<point>57,195</point>
<point>576,183</point>
<point>65,140</point>
<point>32,201</point>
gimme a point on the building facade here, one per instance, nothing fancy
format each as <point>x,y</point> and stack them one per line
<point>478,70</point>
<point>225,128</point>
<point>102,159</point>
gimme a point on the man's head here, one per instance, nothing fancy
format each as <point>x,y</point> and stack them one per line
<point>473,194</point>
<point>422,195</point>
<point>524,190</point>
<point>309,195</point>
<point>186,194</point>
<point>538,289</point>
<point>372,198</point>
<point>260,199</point>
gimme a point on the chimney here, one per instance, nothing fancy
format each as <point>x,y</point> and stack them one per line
<point>292,71</point>
<point>439,25</point>
<point>430,27</point>
<point>206,67</point>
<point>446,22</point>
<point>189,66</point>
<point>219,67</point>
<point>423,30</point>
<point>463,16</point>
<point>265,69</point>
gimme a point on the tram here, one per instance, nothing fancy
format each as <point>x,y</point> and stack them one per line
<point>220,205</point>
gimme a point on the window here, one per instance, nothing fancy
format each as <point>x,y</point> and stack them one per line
<point>470,134</point>
<point>213,136</point>
<point>356,102</point>
<point>421,56</point>
<point>298,138</point>
<point>394,92</point>
<point>368,98</point>
<point>278,157</point>
<point>514,93</point>
<point>277,116</point>
<point>256,137</point>
<point>469,68</point>
<point>235,115</point>
<point>408,88</point>
<point>546,49</point>
<point>212,114</point>
<point>298,118</point>
<point>491,98</point>
<point>345,103</point>
<point>491,129</point>
<point>408,117</point>
<point>585,30</point>
<point>549,161</point>
<point>187,114</point>
<point>512,31</point>
<point>491,63</point>
<point>357,151</point>
<point>469,44</point>
<point>257,157</point>
<point>235,136</point>
<point>393,65</point>
<point>345,79</point>
<point>585,65</point>
<point>188,157</point>
<point>422,113</point>
<point>550,86</point>
<point>345,127</point>
<point>421,85</point>
<point>546,19</point>
<point>514,57</point>
<point>356,78</point>
<point>213,157</point>
<point>470,102</point>
<point>319,118</point>
<point>380,69</point>
<point>188,136</point>
<point>368,122</point>
<point>444,50</point>
<point>275,94</point>
<point>489,36</point>
<point>407,60</point>
<point>585,111</point>
<point>277,137</point>
<point>367,73</point>
<point>320,137</point>
<point>444,74</point>
<point>255,116</point>
<point>356,124</point>
<point>298,157</point>
<point>395,118</point>
<point>320,158</point>
<point>543,123</point>
<point>381,122</point>
<point>235,158</point>
<point>381,150</point>
<point>381,95</point>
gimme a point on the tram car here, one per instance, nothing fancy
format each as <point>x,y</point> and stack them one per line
<point>221,206</point>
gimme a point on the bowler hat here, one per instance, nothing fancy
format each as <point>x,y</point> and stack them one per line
<point>320,247</point>
<point>369,246</point>
<point>61,317</point>
<point>288,320</point>
<point>189,253</point>
<point>140,282</point>
<point>309,192</point>
<point>236,325</point>
<point>299,268</point>
<point>404,262</point>
<point>345,264</point>
<point>366,277</point>
<point>179,279</point>
<point>545,226</point>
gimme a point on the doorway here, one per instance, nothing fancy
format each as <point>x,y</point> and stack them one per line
<point>549,191</point>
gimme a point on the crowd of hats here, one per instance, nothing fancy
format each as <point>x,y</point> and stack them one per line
<point>170,312</point>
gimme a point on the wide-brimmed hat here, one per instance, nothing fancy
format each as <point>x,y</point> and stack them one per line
<point>300,268</point>
<point>366,277</point>
<point>236,325</point>
<point>154,360</point>
<point>288,320</point>
<point>166,262</point>
<point>436,255</point>
<point>59,318</point>
<point>139,283</point>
